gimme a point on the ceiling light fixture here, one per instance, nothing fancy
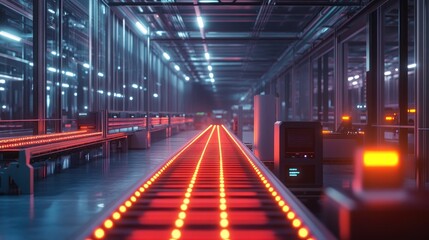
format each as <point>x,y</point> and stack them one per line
<point>142,28</point>
<point>177,67</point>
<point>200,22</point>
<point>207,55</point>
<point>10,36</point>
<point>209,67</point>
<point>166,56</point>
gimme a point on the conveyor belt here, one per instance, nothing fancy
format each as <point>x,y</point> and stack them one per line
<point>212,189</point>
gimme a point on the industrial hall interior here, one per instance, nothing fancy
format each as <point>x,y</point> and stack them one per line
<point>214,119</point>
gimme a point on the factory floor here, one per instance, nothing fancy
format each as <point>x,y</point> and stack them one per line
<point>63,204</point>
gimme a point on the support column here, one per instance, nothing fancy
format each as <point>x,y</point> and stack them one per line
<point>403,81</point>
<point>371,79</point>
<point>39,70</point>
<point>422,80</point>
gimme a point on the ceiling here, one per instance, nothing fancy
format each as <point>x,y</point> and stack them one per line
<point>248,41</point>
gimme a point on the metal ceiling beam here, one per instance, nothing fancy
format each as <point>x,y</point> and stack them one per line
<point>228,61</point>
<point>225,39</point>
<point>240,4</point>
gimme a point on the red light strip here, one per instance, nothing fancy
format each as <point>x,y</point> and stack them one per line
<point>41,141</point>
<point>108,223</point>
<point>303,231</point>
<point>176,233</point>
<point>11,140</point>
<point>224,233</point>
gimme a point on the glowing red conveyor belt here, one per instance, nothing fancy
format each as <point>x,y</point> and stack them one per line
<point>211,189</point>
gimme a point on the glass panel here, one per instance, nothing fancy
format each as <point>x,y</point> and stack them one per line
<point>74,55</point>
<point>301,94</point>
<point>355,77</point>
<point>323,90</point>
<point>391,77</point>
<point>102,56</point>
<point>16,68</point>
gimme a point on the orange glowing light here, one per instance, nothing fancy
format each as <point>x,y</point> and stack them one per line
<point>224,234</point>
<point>291,215</point>
<point>99,233</point>
<point>183,207</point>
<point>296,223</point>
<point>222,207</point>
<point>345,118</point>
<point>412,110</point>
<point>389,118</point>
<point>116,216</point>
<point>108,223</point>
<point>380,159</point>
<point>326,131</point>
<point>182,215</point>
<point>223,215</point>
<point>133,199</point>
<point>281,203</point>
<point>303,232</point>
<point>122,209</point>
<point>179,223</point>
<point>285,208</point>
<point>137,194</point>
<point>176,234</point>
<point>128,204</point>
<point>224,223</point>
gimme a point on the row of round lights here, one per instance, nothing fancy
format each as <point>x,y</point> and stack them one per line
<point>176,233</point>
<point>50,140</point>
<point>10,140</point>
<point>224,233</point>
<point>108,223</point>
<point>303,231</point>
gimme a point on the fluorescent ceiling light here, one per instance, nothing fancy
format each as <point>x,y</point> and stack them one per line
<point>2,81</point>
<point>187,78</point>
<point>208,1</point>
<point>10,36</point>
<point>209,67</point>
<point>86,65</point>
<point>356,76</point>
<point>387,73</point>
<point>142,28</point>
<point>177,67</point>
<point>207,55</point>
<point>200,22</point>
<point>212,80</point>
<point>412,65</point>
<point>100,74</point>
<point>70,74</point>
<point>51,69</point>
<point>135,85</point>
<point>350,79</point>
<point>155,95</point>
<point>51,11</point>
<point>166,56</point>
<point>211,75</point>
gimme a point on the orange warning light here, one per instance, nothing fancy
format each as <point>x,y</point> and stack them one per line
<point>345,118</point>
<point>380,159</point>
